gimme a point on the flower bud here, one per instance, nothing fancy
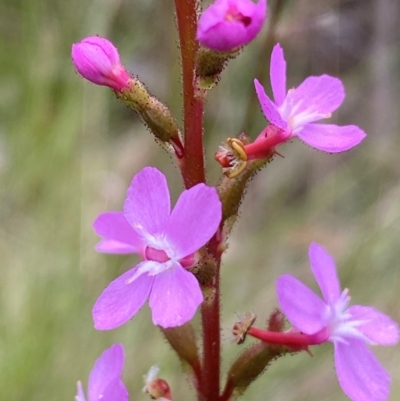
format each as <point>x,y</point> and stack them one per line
<point>158,389</point>
<point>228,24</point>
<point>97,60</point>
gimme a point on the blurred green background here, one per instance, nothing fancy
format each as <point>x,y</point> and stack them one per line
<point>68,151</point>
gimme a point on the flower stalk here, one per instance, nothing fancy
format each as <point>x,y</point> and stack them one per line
<point>192,164</point>
<point>181,247</point>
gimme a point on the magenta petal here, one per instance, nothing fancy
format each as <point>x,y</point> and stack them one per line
<point>213,15</point>
<point>217,29</point>
<point>324,270</point>
<point>91,62</point>
<point>105,45</point>
<point>147,206</point>
<point>121,300</point>
<point>360,374</point>
<point>119,237</point>
<point>115,391</point>
<point>322,95</point>
<point>110,246</point>
<point>108,367</point>
<point>175,297</point>
<point>194,220</point>
<point>97,60</point>
<point>80,396</point>
<point>331,138</point>
<point>278,74</point>
<point>302,307</point>
<point>268,107</point>
<point>378,327</point>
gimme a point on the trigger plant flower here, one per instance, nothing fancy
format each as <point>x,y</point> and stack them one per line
<point>293,113</point>
<point>166,240</point>
<point>228,24</point>
<point>351,329</point>
<point>97,60</point>
<point>105,378</point>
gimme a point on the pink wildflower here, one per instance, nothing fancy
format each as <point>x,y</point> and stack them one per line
<point>167,242</point>
<point>350,329</point>
<point>97,60</point>
<point>105,378</point>
<point>228,24</point>
<point>294,112</point>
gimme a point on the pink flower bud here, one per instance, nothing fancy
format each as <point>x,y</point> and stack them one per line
<point>228,24</point>
<point>97,60</point>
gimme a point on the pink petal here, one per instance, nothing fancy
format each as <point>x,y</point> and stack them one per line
<point>322,95</point>
<point>268,107</point>
<point>213,15</point>
<point>97,60</point>
<point>108,367</point>
<point>278,74</point>
<point>147,206</point>
<point>91,62</point>
<point>302,307</point>
<point>115,391</point>
<point>379,328</point>
<point>175,297</point>
<point>360,375</point>
<point>121,300</point>
<point>110,246</point>
<point>331,138</point>
<point>80,396</point>
<point>324,270</point>
<point>119,237</point>
<point>194,220</point>
<point>220,33</point>
<point>105,45</point>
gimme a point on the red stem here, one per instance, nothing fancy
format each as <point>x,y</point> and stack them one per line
<point>192,164</point>
<point>193,172</point>
<point>210,313</point>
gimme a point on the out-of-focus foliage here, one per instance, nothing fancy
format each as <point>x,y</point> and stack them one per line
<point>68,151</point>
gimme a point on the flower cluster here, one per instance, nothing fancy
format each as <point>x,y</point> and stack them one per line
<point>181,248</point>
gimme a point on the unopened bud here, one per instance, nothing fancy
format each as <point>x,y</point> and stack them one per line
<point>158,389</point>
<point>228,24</point>
<point>97,60</point>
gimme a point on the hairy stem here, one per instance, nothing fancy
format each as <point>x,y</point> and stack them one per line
<point>192,164</point>
<point>193,172</point>
<point>210,314</point>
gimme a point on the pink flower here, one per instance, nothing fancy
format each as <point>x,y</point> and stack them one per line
<point>350,329</point>
<point>167,242</point>
<point>228,24</point>
<point>293,113</point>
<point>105,378</point>
<point>97,60</point>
